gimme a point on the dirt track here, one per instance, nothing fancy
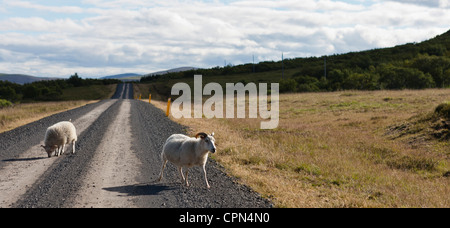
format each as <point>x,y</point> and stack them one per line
<point>116,163</point>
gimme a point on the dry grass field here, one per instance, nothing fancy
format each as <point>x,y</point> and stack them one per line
<point>21,114</point>
<point>341,149</point>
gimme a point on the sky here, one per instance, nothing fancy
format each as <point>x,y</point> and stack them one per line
<point>98,37</point>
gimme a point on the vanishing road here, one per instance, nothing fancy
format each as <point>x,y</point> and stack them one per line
<point>116,163</point>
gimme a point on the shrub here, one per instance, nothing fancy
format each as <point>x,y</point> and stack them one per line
<point>307,84</point>
<point>288,85</point>
<point>443,110</point>
<point>4,103</point>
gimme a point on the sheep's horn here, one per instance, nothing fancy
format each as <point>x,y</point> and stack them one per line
<point>202,135</point>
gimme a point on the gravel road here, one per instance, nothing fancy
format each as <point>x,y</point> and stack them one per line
<point>116,163</point>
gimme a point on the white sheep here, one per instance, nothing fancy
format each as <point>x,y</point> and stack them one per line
<point>57,136</point>
<point>185,152</point>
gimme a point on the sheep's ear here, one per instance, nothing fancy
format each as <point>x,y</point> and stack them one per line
<point>212,134</point>
<point>43,146</point>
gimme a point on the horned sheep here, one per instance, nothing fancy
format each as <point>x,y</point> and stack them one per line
<point>186,152</point>
<point>57,136</point>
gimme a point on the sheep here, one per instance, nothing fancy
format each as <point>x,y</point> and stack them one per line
<point>185,152</point>
<point>57,136</point>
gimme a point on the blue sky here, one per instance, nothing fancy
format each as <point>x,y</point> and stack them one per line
<point>100,37</point>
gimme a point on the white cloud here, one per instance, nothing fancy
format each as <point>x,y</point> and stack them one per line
<point>428,3</point>
<point>37,24</point>
<point>97,36</point>
<point>55,9</point>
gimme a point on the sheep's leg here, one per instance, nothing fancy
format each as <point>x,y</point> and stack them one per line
<point>206,179</point>
<point>63,148</point>
<point>57,151</point>
<point>180,169</point>
<point>73,147</point>
<point>162,170</point>
<point>186,177</point>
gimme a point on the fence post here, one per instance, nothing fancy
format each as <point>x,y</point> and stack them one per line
<point>168,107</point>
<point>149,98</point>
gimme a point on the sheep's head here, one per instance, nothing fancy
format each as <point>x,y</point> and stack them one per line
<point>49,149</point>
<point>208,141</point>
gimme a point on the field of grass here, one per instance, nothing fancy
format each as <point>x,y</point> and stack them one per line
<point>21,114</point>
<point>340,149</point>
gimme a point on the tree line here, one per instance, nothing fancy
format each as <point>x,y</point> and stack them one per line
<point>421,72</point>
<point>47,90</point>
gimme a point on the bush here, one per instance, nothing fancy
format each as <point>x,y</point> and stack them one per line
<point>397,77</point>
<point>8,91</point>
<point>307,84</point>
<point>4,103</point>
<point>288,85</point>
<point>443,110</point>
<point>31,91</point>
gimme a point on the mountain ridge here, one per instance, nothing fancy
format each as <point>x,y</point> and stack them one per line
<point>23,78</point>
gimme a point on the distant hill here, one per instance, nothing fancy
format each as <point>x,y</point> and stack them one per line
<point>123,76</point>
<point>174,70</point>
<point>137,77</point>
<point>22,79</point>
